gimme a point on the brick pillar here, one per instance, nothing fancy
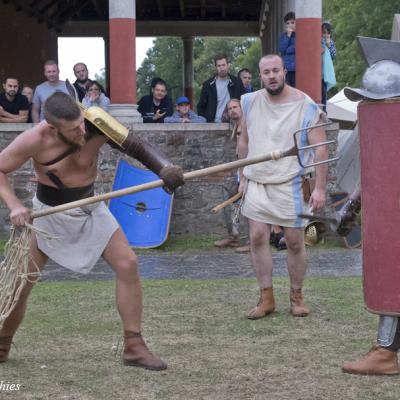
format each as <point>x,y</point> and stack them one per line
<point>308,47</point>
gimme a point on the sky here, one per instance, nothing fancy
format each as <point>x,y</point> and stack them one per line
<point>91,52</point>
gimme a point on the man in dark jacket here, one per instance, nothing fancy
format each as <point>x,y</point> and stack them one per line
<point>157,105</point>
<point>218,90</point>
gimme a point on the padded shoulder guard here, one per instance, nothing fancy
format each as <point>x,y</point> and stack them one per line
<point>107,124</point>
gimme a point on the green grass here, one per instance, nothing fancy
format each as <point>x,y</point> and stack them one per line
<point>183,243</point>
<point>64,347</point>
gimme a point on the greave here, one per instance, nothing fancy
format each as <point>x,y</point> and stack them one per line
<point>389,332</point>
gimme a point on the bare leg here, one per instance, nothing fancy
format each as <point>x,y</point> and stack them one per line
<point>297,265</point>
<point>13,321</point>
<point>129,302</point>
<point>297,257</point>
<point>261,252</point>
<point>262,262</point>
<point>128,288</point>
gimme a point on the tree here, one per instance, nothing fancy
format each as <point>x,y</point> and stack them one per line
<point>357,18</point>
<point>164,60</point>
<point>101,77</point>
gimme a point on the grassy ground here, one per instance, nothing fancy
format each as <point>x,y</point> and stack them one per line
<point>64,348</point>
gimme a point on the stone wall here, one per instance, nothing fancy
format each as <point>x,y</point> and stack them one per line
<point>193,146</point>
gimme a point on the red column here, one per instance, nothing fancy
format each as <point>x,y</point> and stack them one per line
<point>122,26</point>
<point>308,48</point>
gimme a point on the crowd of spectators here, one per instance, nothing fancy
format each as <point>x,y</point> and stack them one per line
<point>24,104</point>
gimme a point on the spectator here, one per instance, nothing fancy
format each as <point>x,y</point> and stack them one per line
<point>46,89</point>
<point>14,107</point>
<point>183,112</point>
<point>27,91</point>
<point>94,96</point>
<point>81,73</point>
<point>218,90</point>
<point>328,55</point>
<point>245,76</point>
<point>230,187</point>
<point>157,105</point>
<point>287,48</point>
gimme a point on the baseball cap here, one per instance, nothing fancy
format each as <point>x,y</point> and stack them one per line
<point>182,100</point>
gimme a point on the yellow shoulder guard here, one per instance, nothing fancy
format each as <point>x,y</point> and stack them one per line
<point>106,124</point>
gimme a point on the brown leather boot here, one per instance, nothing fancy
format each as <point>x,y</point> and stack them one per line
<point>137,354</point>
<point>297,306</point>
<point>378,361</point>
<point>265,305</point>
<point>5,346</point>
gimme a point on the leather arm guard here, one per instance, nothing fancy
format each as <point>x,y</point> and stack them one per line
<point>143,151</point>
<point>348,214</point>
<point>100,122</point>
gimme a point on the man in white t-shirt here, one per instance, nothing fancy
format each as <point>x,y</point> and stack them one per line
<point>46,89</point>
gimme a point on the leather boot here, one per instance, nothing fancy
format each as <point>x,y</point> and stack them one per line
<point>5,345</point>
<point>378,361</point>
<point>297,306</point>
<point>137,354</point>
<point>265,305</point>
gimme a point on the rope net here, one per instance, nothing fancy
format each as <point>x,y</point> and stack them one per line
<point>14,269</point>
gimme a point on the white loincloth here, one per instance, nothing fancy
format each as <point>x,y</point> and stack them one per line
<point>81,234</point>
<point>275,204</point>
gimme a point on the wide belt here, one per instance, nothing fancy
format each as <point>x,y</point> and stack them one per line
<point>53,197</point>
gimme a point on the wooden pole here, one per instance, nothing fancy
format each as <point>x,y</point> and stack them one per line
<point>225,203</point>
<point>275,155</point>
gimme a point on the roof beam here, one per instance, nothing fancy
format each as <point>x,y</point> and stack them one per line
<point>182,8</point>
<point>160,8</point>
<point>98,8</point>
<point>263,17</point>
<point>156,28</point>
<point>197,28</point>
<point>203,8</point>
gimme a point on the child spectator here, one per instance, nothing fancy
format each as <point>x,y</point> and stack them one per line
<point>94,96</point>
<point>183,113</point>
<point>287,48</point>
<point>328,55</point>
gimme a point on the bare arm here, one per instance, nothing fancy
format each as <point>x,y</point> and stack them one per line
<point>8,117</point>
<point>242,149</point>
<point>35,113</point>
<point>11,158</point>
<point>317,199</point>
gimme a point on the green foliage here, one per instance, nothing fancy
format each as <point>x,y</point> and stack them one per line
<point>357,18</point>
<point>164,60</point>
<point>101,78</point>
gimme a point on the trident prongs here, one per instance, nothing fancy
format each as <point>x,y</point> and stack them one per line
<point>312,146</point>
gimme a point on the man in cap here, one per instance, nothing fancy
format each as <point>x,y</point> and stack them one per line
<point>381,81</point>
<point>183,112</point>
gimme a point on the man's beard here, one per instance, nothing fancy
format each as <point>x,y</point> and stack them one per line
<point>278,90</point>
<point>70,142</point>
<point>82,81</point>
